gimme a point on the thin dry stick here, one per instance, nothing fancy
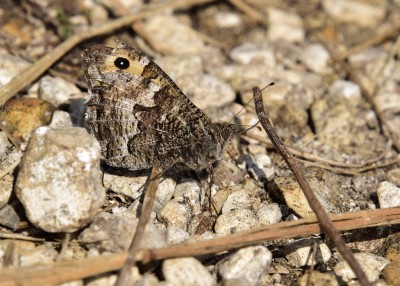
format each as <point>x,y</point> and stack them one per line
<point>64,271</point>
<point>355,171</point>
<point>35,70</point>
<point>351,169</point>
<point>148,201</point>
<point>316,206</point>
<point>16,236</point>
<point>379,39</point>
<point>247,9</point>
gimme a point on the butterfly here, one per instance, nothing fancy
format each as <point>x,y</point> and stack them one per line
<point>140,116</point>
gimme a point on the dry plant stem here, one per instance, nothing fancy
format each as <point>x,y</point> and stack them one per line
<point>148,201</point>
<point>351,169</point>
<point>247,9</point>
<point>16,236</point>
<point>322,215</point>
<point>379,39</point>
<point>64,271</point>
<point>35,70</point>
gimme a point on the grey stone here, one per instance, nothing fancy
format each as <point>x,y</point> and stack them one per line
<point>56,90</point>
<point>186,272</point>
<point>388,195</point>
<point>235,221</point>
<point>59,182</point>
<point>248,263</point>
<point>114,233</point>
<point>371,264</point>
<point>269,213</point>
<point>299,252</point>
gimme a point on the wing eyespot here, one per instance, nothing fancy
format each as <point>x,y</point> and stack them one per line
<point>122,63</point>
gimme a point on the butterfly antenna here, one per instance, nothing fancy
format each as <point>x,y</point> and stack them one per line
<point>247,103</point>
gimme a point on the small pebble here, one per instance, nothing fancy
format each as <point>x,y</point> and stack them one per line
<point>248,53</point>
<point>190,192</point>
<point>346,89</point>
<point>371,264</point>
<point>56,90</point>
<point>176,235</point>
<point>61,119</point>
<point>242,199</point>
<point>114,233</point>
<point>176,37</point>
<point>22,115</point>
<point>316,58</point>
<point>187,272</point>
<point>235,221</point>
<point>299,252</point>
<point>269,213</point>
<point>10,66</point>
<point>362,13</point>
<point>176,213</point>
<point>388,195</point>
<point>284,25</point>
<point>40,255</point>
<point>248,263</point>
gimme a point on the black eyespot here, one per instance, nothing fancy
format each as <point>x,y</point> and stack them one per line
<point>121,63</point>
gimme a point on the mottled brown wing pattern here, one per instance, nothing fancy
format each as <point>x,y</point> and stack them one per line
<point>141,118</point>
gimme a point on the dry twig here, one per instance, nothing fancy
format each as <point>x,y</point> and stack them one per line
<point>147,207</point>
<point>322,215</point>
<point>64,271</point>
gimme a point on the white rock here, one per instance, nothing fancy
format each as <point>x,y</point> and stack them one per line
<point>61,119</point>
<point>114,233</point>
<point>10,66</point>
<point>59,183</point>
<point>363,13</point>
<point>242,199</point>
<point>42,254</point>
<point>371,264</point>
<point>176,235</point>
<point>190,192</point>
<point>248,263</point>
<point>128,185</point>
<point>56,90</point>
<point>316,58</point>
<point>347,89</point>
<point>186,272</point>
<point>299,252</point>
<point>284,26</point>
<point>260,166</point>
<point>236,221</point>
<point>269,213</point>
<point>175,37</point>
<point>176,213</point>
<point>227,19</point>
<point>6,187</point>
<point>388,195</point>
<point>249,53</point>
<point>165,191</point>
<point>206,90</point>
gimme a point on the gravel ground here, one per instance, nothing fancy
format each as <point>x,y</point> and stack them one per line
<point>336,99</point>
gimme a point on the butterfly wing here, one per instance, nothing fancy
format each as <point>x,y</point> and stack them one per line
<point>139,115</point>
